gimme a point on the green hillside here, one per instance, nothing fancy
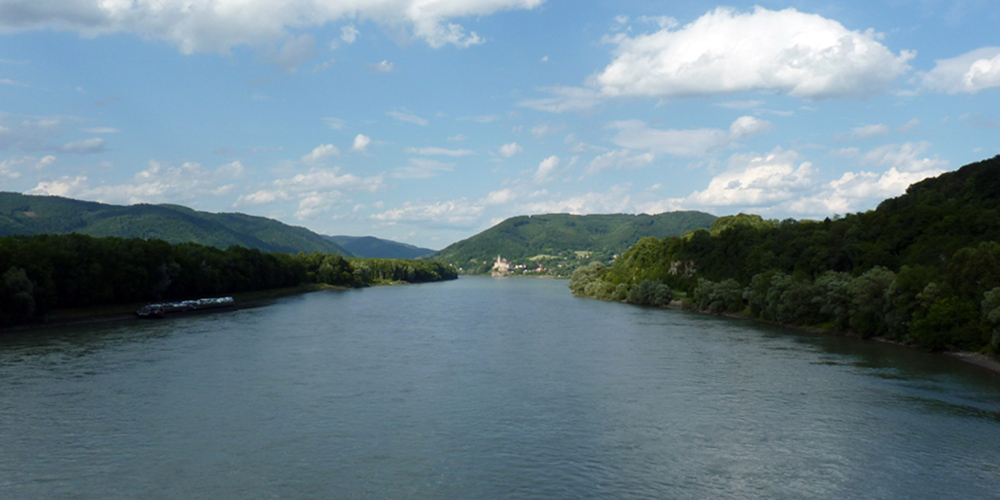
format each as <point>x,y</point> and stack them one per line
<point>30,215</point>
<point>562,242</point>
<point>372,247</point>
<point>923,268</point>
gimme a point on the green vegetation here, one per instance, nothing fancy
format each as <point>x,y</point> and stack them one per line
<point>557,244</point>
<point>33,215</point>
<point>40,274</point>
<point>370,246</point>
<point>922,269</point>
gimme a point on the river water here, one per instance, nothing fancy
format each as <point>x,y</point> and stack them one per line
<point>485,388</point>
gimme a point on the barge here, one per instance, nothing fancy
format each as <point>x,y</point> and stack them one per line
<point>164,309</point>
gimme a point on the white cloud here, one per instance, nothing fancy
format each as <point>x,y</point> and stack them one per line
<point>501,197</point>
<point>547,169</point>
<point>565,99</point>
<point>622,160</point>
<point>756,180</point>
<point>220,25</point>
<point>382,67</point>
<point>725,51</point>
<point>422,168</point>
<point>510,149</point>
<point>12,83</point>
<point>804,55</point>
<point>969,72</point>
<point>101,130</point>
<point>455,212</point>
<point>86,146</point>
<point>335,123</point>
<point>12,167</point>
<point>616,200</point>
<point>457,138</point>
<point>408,118</point>
<point>910,125</point>
<point>320,153</point>
<point>634,134</point>
<point>868,131</point>
<point>904,157</point>
<point>782,183</point>
<point>159,183</point>
<point>349,34</point>
<point>543,130</point>
<point>361,142</point>
<point>431,151</point>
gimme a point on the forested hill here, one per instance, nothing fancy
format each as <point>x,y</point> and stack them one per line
<point>554,240</point>
<point>922,268</point>
<point>372,247</point>
<point>30,215</point>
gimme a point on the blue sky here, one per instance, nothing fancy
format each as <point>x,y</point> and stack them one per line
<point>427,121</point>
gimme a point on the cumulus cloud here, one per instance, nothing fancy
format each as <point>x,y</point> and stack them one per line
<point>13,167</point>
<point>220,25</point>
<point>787,51</point>
<point>361,142</point>
<point>902,166</point>
<point>781,182</point>
<point>969,72</point>
<point>159,183</point>
<point>622,160</point>
<point>510,149</point>
<point>318,191</point>
<point>635,134</point>
<point>320,153</point>
<point>756,180</point>
<point>725,51</point>
<point>906,157</point>
<point>547,170</point>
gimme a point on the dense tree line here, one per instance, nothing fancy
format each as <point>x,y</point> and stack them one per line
<point>39,274</point>
<point>923,268</point>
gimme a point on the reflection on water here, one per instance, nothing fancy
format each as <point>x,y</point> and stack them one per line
<point>485,388</point>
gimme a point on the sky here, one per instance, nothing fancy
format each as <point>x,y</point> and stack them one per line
<point>428,121</point>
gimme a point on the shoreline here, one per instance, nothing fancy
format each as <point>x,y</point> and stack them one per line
<point>981,360</point>
<point>126,312</point>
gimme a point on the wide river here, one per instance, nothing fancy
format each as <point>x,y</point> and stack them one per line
<point>484,388</point>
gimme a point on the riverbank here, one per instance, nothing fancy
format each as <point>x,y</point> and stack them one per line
<point>991,363</point>
<point>126,312</point>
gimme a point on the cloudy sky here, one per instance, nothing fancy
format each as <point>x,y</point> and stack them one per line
<point>427,121</point>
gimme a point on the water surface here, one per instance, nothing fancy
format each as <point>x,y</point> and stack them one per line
<point>485,388</point>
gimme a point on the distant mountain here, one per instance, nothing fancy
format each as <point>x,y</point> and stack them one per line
<point>372,247</point>
<point>565,240</point>
<point>25,214</point>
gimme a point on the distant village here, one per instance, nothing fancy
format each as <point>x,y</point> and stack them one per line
<point>503,268</point>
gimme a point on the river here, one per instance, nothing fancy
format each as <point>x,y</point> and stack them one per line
<point>485,388</point>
